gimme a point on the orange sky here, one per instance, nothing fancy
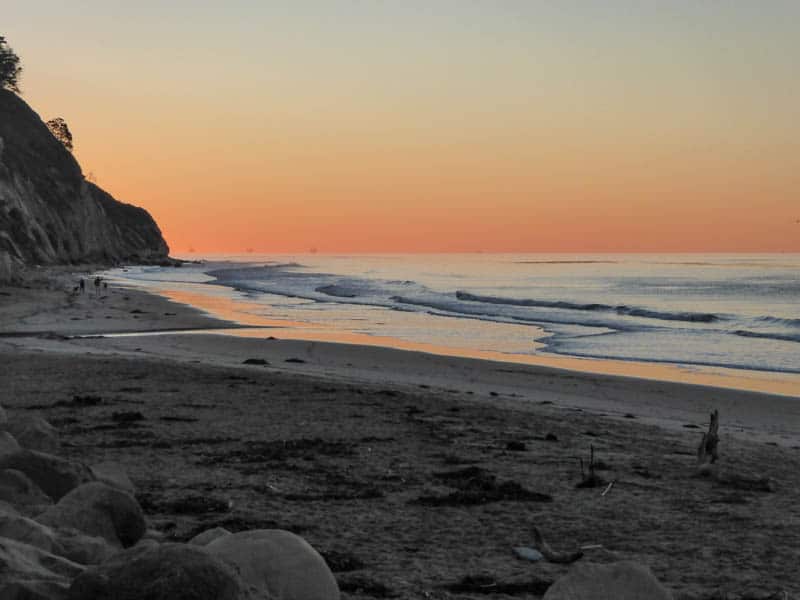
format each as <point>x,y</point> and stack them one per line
<point>514,126</point>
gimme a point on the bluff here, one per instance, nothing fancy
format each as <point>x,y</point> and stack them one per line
<point>50,214</point>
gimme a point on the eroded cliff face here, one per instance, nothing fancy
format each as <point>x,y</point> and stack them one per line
<point>49,214</point>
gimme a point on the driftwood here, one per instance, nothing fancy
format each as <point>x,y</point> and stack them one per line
<point>590,479</point>
<point>552,555</point>
<point>707,450</point>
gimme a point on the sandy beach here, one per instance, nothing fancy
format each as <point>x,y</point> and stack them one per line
<point>372,453</point>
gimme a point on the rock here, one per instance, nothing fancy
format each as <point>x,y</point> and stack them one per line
<point>526,553</point>
<point>21,564</point>
<point>7,509</point>
<point>8,444</point>
<point>277,564</point>
<point>97,509</point>
<point>155,535</point>
<point>167,572</point>
<point>113,474</point>
<point>55,476</point>
<point>17,489</point>
<point>33,590</point>
<point>81,548</point>
<point>255,361</point>
<point>208,536</point>
<point>27,531</point>
<point>67,543</point>
<point>33,433</point>
<point>624,580</point>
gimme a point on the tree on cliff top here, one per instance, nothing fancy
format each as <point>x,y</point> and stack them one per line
<point>10,69</point>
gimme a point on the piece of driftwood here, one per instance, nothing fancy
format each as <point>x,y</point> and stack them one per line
<point>707,451</point>
<point>551,555</point>
<point>590,479</point>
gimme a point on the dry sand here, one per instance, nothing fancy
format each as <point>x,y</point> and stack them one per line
<point>397,465</point>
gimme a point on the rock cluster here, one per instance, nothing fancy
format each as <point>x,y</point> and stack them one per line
<point>70,531</point>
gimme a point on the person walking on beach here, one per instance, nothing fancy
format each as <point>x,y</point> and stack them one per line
<point>82,285</point>
<point>97,285</point>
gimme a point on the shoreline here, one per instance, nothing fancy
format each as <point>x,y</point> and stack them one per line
<point>133,321</point>
<point>355,448</point>
<point>221,306</point>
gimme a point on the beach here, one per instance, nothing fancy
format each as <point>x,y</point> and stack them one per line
<point>371,453</point>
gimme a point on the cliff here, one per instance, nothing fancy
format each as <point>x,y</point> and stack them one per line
<point>50,214</point>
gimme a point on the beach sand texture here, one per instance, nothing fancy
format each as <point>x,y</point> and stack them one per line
<point>409,472</point>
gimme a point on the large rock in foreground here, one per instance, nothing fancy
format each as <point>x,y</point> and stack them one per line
<point>168,572</point>
<point>26,567</point>
<point>8,443</point>
<point>616,581</point>
<point>50,214</point>
<point>33,432</point>
<point>55,476</point>
<point>97,509</point>
<point>277,564</point>
<point>17,489</point>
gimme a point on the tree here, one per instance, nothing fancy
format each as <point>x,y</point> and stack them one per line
<point>10,70</point>
<point>58,127</point>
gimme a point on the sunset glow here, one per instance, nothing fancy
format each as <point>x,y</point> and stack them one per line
<point>431,126</point>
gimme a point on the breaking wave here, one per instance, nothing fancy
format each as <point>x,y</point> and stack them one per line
<point>691,317</point>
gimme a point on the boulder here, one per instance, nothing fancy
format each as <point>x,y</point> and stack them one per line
<point>67,543</point>
<point>17,489</point>
<point>623,580</point>
<point>54,475</point>
<point>208,536</point>
<point>33,432</point>
<point>33,590</point>
<point>277,564</point>
<point>81,548</point>
<point>113,474</point>
<point>7,443</point>
<point>167,572</point>
<point>97,509</point>
<point>7,509</point>
<point>27,531</point>
<point>23,564</point>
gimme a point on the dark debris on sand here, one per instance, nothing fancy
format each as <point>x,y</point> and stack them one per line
<point>475,485</point>
<point>362,585</point>
<point>486,584</point>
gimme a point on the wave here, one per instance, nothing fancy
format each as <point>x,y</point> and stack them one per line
<point>785,337</point>
<point>691,317</point>
<point>780,321</point>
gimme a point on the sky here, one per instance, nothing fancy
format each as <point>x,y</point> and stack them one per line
<point>431,126</point>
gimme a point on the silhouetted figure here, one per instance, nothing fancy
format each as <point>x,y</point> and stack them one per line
<point>97,281</point>
<point>82,285</point>
<point>105,286</point>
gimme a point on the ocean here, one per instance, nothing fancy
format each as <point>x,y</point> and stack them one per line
<point>717,310</point>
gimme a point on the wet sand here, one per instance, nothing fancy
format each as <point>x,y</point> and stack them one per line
<point>409,471</point>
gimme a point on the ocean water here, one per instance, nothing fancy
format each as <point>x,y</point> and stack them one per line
<point>736,311</point>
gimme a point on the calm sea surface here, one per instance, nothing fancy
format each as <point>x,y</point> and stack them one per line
<point>738,311</point>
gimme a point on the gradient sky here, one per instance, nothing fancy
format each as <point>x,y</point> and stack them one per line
<point>437,125</point>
